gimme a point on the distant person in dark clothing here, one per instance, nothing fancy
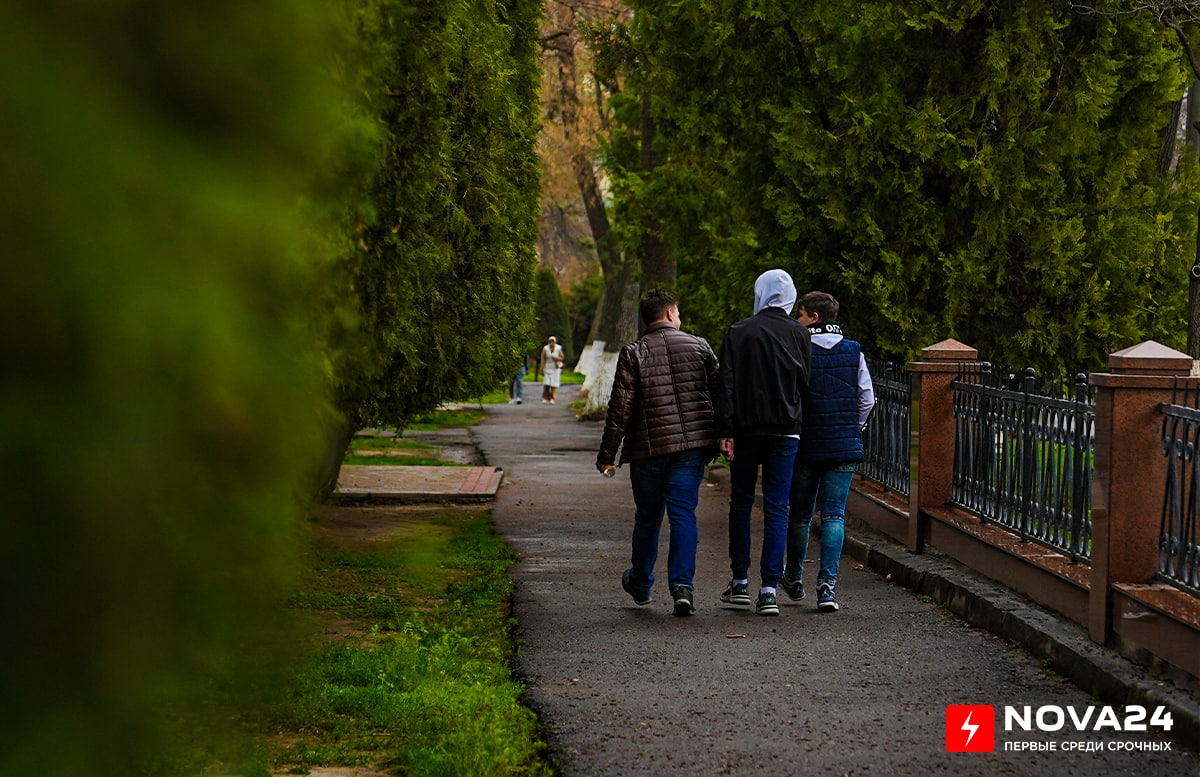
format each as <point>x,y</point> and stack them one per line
<point>661,406</point>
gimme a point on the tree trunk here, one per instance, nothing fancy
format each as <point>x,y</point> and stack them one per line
<point>337,442</point>
<point>607,326</point>
<point>1193,337</point>
<point>1166,151</point>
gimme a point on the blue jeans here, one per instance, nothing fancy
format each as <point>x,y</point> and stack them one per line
<point>775,455</point>
<point>830,484</point>
<point>518,384</point>
<point>672,483</point>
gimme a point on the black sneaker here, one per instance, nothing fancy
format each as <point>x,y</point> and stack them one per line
<point>736,593</point>
<point>793,588</point>
<point>640,601</point>
<point>683,600</point>
<point>766,605</point>
<point>826,601</point>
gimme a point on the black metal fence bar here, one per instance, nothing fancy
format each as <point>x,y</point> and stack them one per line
<point>1023,460</point>
<point>1179,538</point>
<point>972,488</point>
<point>886,438</point>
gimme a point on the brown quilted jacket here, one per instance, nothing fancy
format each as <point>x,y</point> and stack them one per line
<point>661,398</point>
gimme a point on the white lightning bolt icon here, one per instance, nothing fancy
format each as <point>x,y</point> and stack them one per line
<point>968,726</point>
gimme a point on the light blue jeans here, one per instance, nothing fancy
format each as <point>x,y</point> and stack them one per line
<point>830,484</point>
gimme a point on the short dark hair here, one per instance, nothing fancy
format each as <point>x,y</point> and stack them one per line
<point>822,303</point>
<point>655,305</point>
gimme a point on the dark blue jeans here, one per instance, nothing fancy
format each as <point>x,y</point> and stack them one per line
<point>827,485</point>
<point>775,455</point>
<point>671,483</point>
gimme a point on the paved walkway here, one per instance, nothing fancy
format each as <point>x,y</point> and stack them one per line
<point>624,690</point>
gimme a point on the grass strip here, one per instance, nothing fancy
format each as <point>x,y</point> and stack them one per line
<point>419,681</point>
<point>400,661</point>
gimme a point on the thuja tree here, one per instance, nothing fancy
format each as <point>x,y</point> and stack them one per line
<point>553,316</point>
<point>163,389</point>
<point>176,191</point>
<point>441,255</point>
<point>977,170</point>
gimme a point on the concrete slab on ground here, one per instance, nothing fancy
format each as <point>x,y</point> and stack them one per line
<point>388,484</point>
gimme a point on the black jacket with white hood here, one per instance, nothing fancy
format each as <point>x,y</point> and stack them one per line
<point>765,361</point>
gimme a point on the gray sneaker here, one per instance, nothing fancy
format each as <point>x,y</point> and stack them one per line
<point>736,593</point>
<point>793,588</point>
<point>826,601</point>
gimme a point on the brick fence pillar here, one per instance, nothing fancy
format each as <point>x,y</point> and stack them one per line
<point>1128,479</point>
<point>932,444</point>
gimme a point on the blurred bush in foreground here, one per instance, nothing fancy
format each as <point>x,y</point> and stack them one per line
<point>162,394</point>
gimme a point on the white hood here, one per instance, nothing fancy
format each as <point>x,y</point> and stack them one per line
<point>774,289</point>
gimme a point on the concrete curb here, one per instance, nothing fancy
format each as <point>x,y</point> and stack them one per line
<point>1066,647</point>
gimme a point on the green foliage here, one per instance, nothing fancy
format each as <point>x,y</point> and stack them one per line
<point>210,216</point>
<point>163,391</point>
<point>441,255</point>
<point>982,171</point>
<point>389,442</point>
<point>425,686</point>
<point>403,665</point>
<point>398,459</point>
<point>436,419</point>
<point>553,317</point>
<point>582,304</point>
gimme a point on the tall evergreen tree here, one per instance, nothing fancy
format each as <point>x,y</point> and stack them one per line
<point>978,170</point>
<point>176,183</point>
<point>163,391</point>
<point>442,254</point>
<point>553,317</point>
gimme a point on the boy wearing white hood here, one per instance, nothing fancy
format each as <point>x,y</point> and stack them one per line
<point>764,369</point>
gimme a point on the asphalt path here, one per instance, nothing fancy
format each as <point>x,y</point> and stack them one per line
<point>627,690</point>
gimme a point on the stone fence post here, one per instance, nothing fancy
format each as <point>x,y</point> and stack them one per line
<point>1128,480</point>
<point>932,442</point>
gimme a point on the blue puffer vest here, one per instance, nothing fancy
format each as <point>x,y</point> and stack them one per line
<point>831,431</point>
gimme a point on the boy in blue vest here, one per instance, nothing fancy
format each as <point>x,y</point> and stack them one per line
<point>840,398</point>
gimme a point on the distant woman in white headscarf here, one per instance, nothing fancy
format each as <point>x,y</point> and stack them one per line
<point>552,362</point>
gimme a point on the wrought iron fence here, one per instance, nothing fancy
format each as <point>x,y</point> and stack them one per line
<point>886,437</point>
<point>1179,545</point>
<point>1023,459</point>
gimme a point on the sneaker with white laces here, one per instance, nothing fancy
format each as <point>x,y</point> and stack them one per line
<point>793,588</point>
<point>736,593</point>
<point>826,601</point>
<point>766,604</point>
<point>683,600</point>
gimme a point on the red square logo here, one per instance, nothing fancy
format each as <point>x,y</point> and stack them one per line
<point>970,728</point>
